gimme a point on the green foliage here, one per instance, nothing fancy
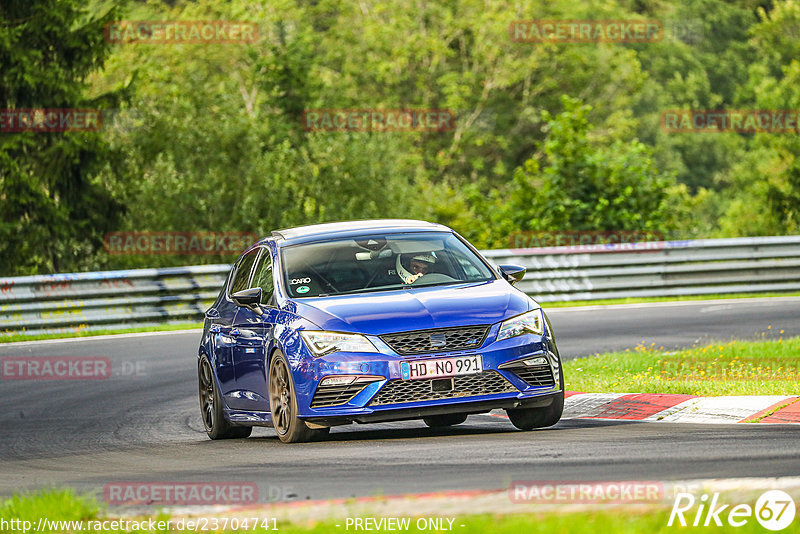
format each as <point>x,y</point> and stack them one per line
<point>764,185</point>
<point>547,136</point>
<point>582,186</point>
<point>52,205</point>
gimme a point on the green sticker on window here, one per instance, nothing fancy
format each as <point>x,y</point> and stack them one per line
<point>302,289</point>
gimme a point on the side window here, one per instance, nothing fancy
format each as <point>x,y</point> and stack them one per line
<point>263,277</point>
<point>242,275</point>
<point>469,268</point>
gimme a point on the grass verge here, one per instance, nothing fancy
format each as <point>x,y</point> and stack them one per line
<point>607,302</point>
<point>734,368</point>
<point>612,521</point>
<point>65,506</point>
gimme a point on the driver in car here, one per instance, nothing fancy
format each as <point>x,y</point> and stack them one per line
<point>419,265</point>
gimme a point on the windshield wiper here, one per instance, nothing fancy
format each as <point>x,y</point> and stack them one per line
<point>400,286</point>
<point>369,289</point>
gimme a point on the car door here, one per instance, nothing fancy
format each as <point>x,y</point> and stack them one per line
<point>222,330</point>
<point>254,333</point>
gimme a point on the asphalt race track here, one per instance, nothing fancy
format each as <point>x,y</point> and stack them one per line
<point>143,423</point>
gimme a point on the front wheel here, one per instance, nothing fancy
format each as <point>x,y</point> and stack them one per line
<point>217,427</point>
<point>530,418</point>
<point>283,404</point>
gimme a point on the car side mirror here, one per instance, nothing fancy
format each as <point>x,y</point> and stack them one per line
<point>249,298</point>
<point>513,273</point>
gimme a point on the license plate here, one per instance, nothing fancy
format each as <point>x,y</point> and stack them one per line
<point>462,365</point>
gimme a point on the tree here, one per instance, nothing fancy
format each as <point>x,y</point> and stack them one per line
<point>577,184</point>
<point>53,208</point>
<point>764,183</point>
<point>218,132</point>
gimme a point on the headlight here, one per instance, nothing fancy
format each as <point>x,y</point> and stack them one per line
<point>322,343</point>
<point>531,322</point>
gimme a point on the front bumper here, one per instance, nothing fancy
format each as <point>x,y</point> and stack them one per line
<point>465,407</point>
<point>505,382</point>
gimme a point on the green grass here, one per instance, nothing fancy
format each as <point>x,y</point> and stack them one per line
<point>67,506</point>
<point>53,504</point>
<point>637,300</point>
<point>89,333</point>
<point>734,368</point>
<point>613,521</point>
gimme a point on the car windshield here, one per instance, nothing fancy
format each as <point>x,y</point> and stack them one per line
<point>379,262</point>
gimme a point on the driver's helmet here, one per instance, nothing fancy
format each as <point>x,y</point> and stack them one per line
<point>418,265</point>
<point>422,263</point>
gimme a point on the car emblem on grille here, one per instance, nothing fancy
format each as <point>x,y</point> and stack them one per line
<point>438,341</point>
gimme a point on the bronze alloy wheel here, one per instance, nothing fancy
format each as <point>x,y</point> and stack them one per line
<point>280,395</point>
<point>283,403</point>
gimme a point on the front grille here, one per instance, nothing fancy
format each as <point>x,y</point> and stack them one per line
<point>534,375</point>
<point>485,383</point>
<point>335,395</point>
<point>436,340</point>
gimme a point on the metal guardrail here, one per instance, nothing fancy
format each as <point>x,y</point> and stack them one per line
<point>658,269</point>
<point>107,300</point>
<point>144,297</point>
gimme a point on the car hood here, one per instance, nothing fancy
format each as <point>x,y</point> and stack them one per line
<point>416,308</point>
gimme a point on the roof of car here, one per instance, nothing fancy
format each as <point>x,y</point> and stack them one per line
<point>314,231</point>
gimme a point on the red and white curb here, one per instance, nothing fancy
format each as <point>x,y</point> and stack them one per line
<point>682,408</point>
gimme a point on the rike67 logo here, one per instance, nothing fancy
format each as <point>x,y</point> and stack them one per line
<point>774,510</point>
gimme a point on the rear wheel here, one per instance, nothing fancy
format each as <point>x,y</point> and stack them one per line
<point>283,404</point>
<point>217,427</point>
<point>437,421</point>
<point>530,418</point>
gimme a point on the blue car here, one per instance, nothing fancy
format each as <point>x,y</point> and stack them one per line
<point>373,321</point>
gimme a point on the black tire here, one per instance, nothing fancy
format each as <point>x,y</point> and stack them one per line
<point>450,419</point>
<point>217,427</point>
<point>530,418</point>
<point>283,404</point>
